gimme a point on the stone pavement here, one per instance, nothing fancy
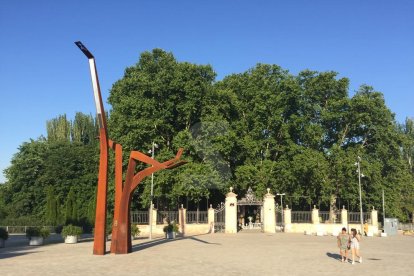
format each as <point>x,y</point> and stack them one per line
<point>212,254</point>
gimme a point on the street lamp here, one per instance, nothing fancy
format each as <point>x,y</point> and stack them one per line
<point>281,205</point>
<point>358,163</point>
<point>152,151</point>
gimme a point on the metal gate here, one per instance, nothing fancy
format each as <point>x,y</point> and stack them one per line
<point>279,218</point>
<point>220,218</point>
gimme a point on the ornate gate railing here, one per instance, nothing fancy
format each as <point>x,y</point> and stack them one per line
<point>220,218</point>
<point>164,216</point>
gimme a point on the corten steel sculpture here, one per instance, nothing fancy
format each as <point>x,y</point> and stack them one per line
<point>121,231</point>
<point>100,216</point>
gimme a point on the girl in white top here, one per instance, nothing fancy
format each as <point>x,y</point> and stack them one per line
<point>355,239</point>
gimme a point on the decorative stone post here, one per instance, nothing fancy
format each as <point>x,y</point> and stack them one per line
<point>287,217</point>
<point>269,219</point>
<point>413,217</point>
<point>315,215</point>
<point>231,212</point>
<point>154,216</point>
<point>344,217</point>
<point>182,219</point>
<point>374,217</point>
<point>211,218</point>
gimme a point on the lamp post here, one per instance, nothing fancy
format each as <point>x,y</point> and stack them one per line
<point>358,163</point>
<point>383,208</point>
<point>152,151</point>
<point>281,205</point>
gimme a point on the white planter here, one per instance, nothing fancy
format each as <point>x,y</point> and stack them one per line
<point>2,243</point>
<point>171,235</point>
<point>71,239</point>
<point>36,241</point>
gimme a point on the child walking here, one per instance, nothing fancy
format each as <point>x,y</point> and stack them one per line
<point>343,242</point>
<point>355,239</point>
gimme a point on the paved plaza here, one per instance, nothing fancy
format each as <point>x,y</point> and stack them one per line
<point>212,254</point>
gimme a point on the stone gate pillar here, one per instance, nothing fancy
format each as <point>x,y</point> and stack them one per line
<point>211,218</point>
<point>374,217</point>
<point>344,217</point>
<point>315,215</point>
<point>287,217</point>
<point>182,219</point>
<point>231,212</point>
<point>153,216</point>
<point>269,219</point>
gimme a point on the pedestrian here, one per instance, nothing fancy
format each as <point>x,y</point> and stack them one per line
<point>355,239</point>
<point>366,228</point>
<point>343,242</point>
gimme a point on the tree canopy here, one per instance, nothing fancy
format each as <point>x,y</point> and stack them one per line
<point>263,128</point>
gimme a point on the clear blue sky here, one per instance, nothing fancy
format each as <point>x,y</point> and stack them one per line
<point>43,74</point>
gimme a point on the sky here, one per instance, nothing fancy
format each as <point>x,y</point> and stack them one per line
<point>43,74</point>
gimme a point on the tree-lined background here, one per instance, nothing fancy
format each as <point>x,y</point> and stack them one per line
<point>263,128</point>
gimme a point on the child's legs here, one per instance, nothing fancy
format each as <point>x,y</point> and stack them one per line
<point>357,253</point>
<point>343,253</point>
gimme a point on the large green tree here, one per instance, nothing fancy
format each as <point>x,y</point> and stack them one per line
<point>263,128</point>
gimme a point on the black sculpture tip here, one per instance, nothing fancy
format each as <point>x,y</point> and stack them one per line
<point>84,49</point>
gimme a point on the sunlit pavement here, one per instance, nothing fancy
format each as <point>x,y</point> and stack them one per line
<point>212,254</point>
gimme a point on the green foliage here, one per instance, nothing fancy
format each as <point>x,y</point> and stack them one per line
<point>82,129</point>
<point>37,232</point>
<point>41,165</point>
<point>51,208</point>
<point>3,234</point>
<point>171,227</point>
<point>263,128</point>
<point>135,230</point>
<point>71,230</point>
<point>71,208</point>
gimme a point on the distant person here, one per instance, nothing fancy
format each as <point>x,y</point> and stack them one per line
<point>343,242</point>
<point>355,240</point>
<point>366,228</point>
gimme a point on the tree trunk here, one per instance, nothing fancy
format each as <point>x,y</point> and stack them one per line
<point>332,208</point>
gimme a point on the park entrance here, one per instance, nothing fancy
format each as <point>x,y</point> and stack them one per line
<point>250,212</point>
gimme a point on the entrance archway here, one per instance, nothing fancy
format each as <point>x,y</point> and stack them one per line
<point>250,211</point>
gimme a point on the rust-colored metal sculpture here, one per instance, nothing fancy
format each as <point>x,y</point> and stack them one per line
<point>121,231</point>
<point>101,198</point>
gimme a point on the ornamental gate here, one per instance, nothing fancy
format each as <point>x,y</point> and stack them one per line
<point>279,217</point>
<point>219,218</point>
<point>250,211</point>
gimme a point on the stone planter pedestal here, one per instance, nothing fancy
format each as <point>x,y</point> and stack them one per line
<point>36,241</point>
<point>170,235</point>
<point>71,239</point>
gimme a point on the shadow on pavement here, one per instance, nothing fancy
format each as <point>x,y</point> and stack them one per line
<point>18,245</point>
<point>334,256</point>
<point>152,243</point>
<point>15,252</point>
<point>195,239</point>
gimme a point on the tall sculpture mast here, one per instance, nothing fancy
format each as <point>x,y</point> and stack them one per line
<point>121,230</point>
<point>99,244</point>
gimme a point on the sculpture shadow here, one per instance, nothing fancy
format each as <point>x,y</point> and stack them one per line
<point>198,240</point>
<point>149,244</point>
